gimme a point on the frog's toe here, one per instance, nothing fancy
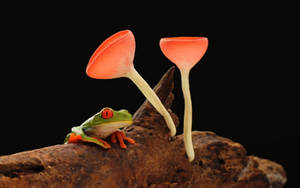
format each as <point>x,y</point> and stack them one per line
<point>105,144</point>
<point>120,139</point>
<point>122,145</point>
<point>130,140</point>
<point>113,138</point>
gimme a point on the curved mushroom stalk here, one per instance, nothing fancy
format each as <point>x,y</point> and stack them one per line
<point>185,52</point>
<point>114,59</point>
<point>152,98</point>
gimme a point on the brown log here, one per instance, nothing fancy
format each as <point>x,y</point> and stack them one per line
<point>156,160</point>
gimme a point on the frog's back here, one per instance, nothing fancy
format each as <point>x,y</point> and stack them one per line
<point>87,123</point>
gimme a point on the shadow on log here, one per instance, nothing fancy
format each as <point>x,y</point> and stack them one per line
<point>155,161</point>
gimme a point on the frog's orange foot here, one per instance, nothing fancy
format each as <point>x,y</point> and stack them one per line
<point>106,145</point>
<point>74,138</point>
<point>121,137</point>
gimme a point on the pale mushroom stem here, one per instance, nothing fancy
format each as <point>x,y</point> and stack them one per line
<point>152,98</point>
<point>187,130</point>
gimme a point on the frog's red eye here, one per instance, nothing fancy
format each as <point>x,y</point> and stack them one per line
<point>107,113</point>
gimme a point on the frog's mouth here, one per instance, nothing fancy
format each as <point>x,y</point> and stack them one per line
<point>106,129</point>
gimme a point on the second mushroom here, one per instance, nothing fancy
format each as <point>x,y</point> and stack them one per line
<point>185,52</point>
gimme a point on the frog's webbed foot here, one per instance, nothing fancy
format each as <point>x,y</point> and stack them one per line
<point>120,135</point>
<point>73,138</point>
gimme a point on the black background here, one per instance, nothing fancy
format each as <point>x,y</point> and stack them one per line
<point>241,89</point>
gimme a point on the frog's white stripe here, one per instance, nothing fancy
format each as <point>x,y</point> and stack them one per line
<point>106,129</point>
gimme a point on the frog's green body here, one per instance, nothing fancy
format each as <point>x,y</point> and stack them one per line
<point>101,125</point>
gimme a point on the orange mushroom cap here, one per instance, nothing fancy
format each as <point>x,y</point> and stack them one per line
<point>185,52</point>
<point>114,57</point>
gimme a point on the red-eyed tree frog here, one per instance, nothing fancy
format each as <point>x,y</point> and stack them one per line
<point>103,124</point>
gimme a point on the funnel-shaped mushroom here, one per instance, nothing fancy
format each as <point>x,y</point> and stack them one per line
<point>185,52</point>
<point>114,59</point>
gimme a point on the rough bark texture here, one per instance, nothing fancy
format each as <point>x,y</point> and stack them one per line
<point>155,161</point>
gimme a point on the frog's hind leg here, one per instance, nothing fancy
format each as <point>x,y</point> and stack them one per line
<point>97,141</point>
<point>85,138</point>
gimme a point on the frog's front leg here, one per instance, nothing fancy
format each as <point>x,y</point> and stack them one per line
<point>120,135</point>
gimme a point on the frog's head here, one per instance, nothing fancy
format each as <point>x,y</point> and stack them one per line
<point>109,117</point>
